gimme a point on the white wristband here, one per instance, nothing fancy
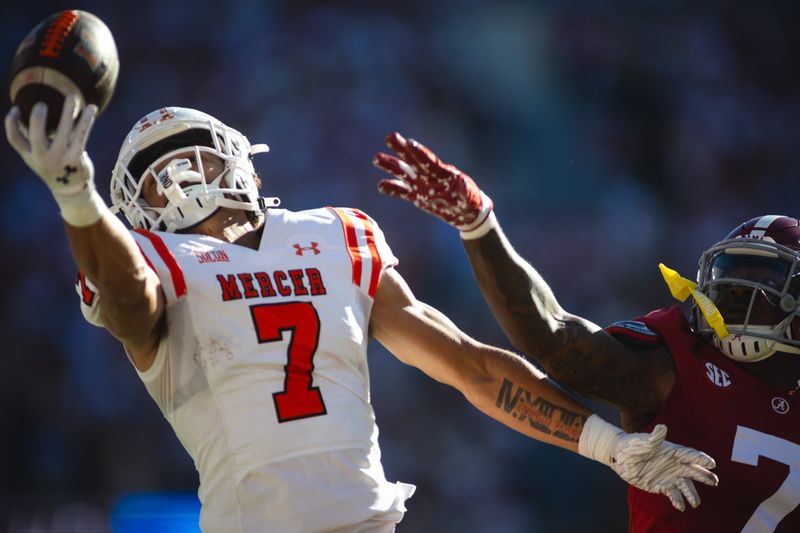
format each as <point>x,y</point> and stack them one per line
<point>597,438</point>
<point>82,209</point>
<point>485,226</point>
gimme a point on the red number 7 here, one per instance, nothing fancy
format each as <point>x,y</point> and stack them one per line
<point>298,399</point>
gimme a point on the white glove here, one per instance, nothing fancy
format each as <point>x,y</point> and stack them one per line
<point>647,461</point>
<point>61,160</point>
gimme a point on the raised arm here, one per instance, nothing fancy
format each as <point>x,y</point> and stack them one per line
<point>132,306</point>
<point>573,350</point>
<point>506,387</point>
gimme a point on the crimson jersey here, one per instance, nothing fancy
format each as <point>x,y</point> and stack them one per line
<point>750,429</point>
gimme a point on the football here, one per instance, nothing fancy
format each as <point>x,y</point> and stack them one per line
<point>70,51</point>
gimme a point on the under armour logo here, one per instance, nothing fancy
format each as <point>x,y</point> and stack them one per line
<point>67,171</point>
<point>780,405</point>
<point>300,249</point>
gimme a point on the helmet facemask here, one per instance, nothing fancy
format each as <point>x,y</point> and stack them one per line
<point>755,284</point>
<point>172,154</point>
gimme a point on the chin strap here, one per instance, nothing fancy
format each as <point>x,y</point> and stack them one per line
<point>785,327</point>
<point>786,348</point>
<point>265,203</point>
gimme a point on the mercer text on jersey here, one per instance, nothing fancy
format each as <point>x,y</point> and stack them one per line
<point>297,282</point>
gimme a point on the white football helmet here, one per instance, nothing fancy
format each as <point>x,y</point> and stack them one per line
<point>177,136</point>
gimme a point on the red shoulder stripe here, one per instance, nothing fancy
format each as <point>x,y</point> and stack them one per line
<point>163,252</point>
<point>87,294</point>
<point>373,252</point>
<point>351,242</point>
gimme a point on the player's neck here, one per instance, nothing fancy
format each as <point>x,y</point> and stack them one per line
<point>234,226</point>
<point>780,370</point>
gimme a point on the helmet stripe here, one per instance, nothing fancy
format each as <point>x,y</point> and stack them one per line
<point>760,227</point>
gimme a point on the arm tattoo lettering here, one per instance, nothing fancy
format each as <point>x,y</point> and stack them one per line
<point>542,415</point>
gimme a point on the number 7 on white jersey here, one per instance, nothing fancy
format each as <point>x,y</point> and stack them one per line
<point>299,398</point>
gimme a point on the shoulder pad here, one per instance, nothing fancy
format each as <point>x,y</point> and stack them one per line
<point>635,332</point>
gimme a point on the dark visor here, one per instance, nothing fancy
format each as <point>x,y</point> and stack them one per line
<point>769,271</point>
<point>185,139</point>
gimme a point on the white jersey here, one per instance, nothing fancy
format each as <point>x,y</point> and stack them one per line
<point>262,372</point>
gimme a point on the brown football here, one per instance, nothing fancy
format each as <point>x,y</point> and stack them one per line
<point>70,51</point>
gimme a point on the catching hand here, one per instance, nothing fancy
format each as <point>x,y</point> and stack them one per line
<point>418,176</point>
<point>60,161</point>
<point>652,464</point>
<point>647,461</point>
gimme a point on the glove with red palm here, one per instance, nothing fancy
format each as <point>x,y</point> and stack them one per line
<point>442,190</point>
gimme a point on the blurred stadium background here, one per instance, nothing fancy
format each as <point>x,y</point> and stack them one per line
<point>611,136</point>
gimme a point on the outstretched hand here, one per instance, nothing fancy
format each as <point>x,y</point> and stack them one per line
<point>420,177</point>
<point>61,160</point>
<point>649,462</point>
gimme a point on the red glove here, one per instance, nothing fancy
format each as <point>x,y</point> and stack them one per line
<point>435,187</point>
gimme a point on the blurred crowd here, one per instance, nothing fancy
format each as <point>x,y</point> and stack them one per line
<point>611,136</point>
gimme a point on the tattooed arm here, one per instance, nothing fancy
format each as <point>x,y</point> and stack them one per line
<point>501,384</point>
<point>509,389</point>
<point>573,350</point>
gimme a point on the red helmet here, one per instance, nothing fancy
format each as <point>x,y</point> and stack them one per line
<point>753,276</point>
